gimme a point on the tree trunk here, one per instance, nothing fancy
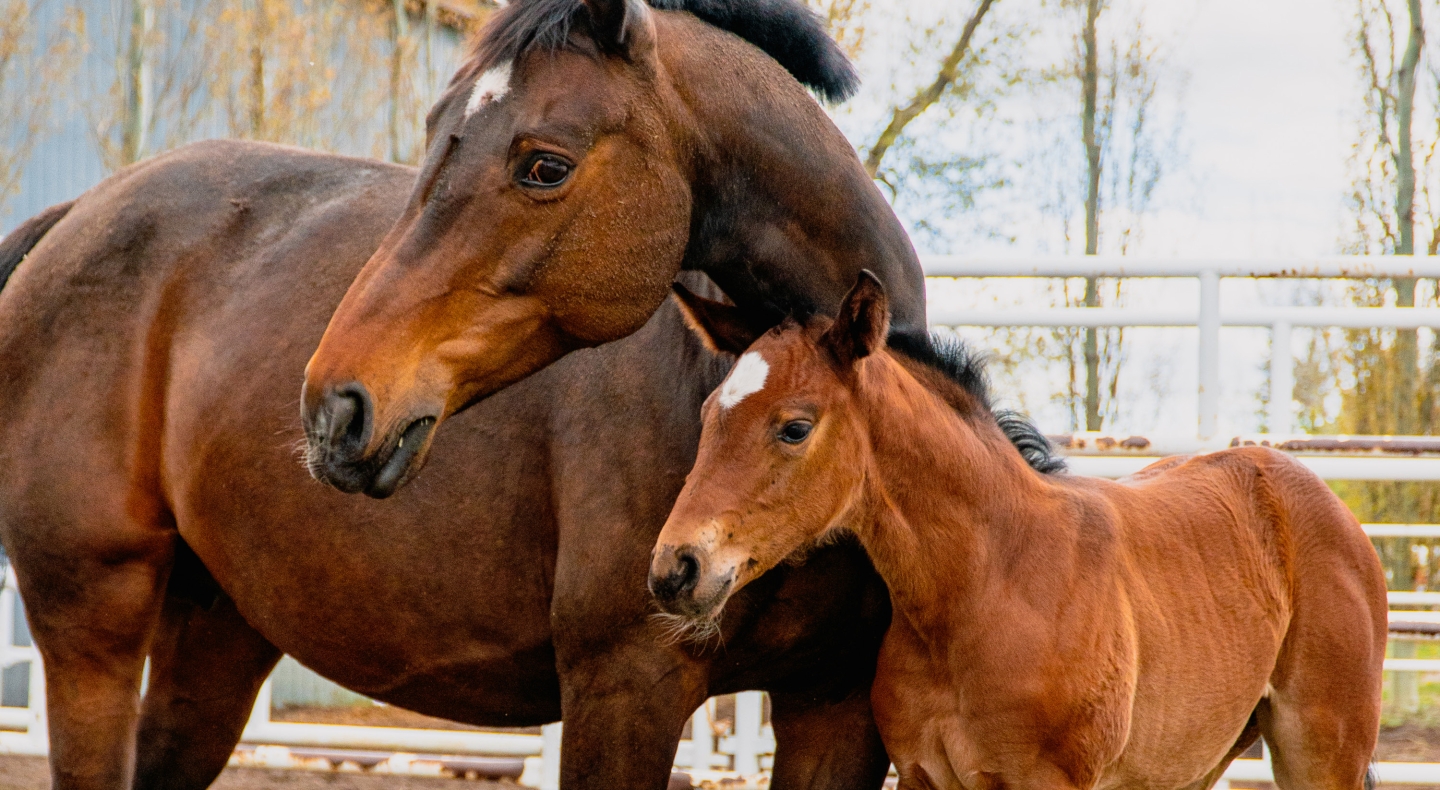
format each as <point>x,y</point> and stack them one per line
<point>397,76</point>
<point>257,70</point>
<point>1406,354</point>
<point>949,72</point>
<point>137,88</point>
<point>1090,86</point>
<point>1406,692</point>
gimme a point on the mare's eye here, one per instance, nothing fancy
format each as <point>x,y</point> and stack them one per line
<point>546,171</point>
<point>795,432</point>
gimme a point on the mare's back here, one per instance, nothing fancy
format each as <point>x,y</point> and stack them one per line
<point>177,238</point>
<point>218,255</point>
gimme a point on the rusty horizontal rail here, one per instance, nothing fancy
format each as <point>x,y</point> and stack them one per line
<point>1094,443</point>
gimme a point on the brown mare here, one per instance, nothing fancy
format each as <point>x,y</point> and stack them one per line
<point>1049,631</point>
<point>155,332</point>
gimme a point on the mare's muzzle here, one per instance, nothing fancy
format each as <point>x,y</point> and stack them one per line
<point>339,428</point>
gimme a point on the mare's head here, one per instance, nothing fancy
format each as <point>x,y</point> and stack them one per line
<point>783,450</point>
<point>587,152</point>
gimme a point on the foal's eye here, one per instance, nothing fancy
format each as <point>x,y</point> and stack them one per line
<point>546,171</point>
<point>795,432</point>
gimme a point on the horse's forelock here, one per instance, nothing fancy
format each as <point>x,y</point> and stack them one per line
<point>785,30</point>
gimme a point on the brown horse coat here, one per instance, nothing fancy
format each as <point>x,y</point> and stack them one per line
<point>1049,630</point>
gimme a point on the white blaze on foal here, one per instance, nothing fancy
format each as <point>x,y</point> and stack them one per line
<point>490,86</point>
<point>747,377</point>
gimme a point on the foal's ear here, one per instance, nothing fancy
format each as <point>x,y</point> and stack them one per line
<point>862,324</point>
<point>723,328</point>
<point>621,26</point>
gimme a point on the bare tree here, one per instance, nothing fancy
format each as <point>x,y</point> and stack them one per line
<point>154,97</point>
<point>1124,157</point>
<point>31,65</point>
<point>845,19</point>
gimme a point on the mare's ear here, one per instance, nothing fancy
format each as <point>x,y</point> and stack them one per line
<point>723,328</point>
<point>862,324</point>
<point>622,26</point>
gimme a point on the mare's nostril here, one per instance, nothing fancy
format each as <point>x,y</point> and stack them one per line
<point>349,417</point>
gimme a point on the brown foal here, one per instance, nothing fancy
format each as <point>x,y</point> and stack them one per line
<point>1050,630</point>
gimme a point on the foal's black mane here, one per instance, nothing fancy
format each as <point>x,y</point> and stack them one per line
<point>950,357</point>
<point>785,29</point>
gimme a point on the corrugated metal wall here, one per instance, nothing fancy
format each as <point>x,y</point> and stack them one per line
<point>67,160</point>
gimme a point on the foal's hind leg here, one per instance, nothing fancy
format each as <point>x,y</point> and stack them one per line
<point>1322,712</point>
<point>206,666</point>
<point>1318,742</point>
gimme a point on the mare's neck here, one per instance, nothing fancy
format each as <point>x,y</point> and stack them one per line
<point>785,216</point>
<point>951,505</point>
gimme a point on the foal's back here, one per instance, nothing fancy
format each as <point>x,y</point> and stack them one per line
<point>1245,573</point>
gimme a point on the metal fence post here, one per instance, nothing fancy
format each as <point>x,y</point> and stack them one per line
<point>260,712</point>
<point>39,726</point>
<point>702,738</point>
<point>749,710</point>
<point>550,756</point>
<point>1282,380</point>
<point>1209,325</point>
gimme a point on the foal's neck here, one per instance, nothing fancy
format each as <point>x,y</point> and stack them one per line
<point>950,500</point>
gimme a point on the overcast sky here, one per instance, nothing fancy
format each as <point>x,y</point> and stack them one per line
<point>1268,119</point>
<point>1270,113</point>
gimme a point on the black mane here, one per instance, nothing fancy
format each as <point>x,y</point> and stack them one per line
<point>949,356</point>
<point>785,29</point>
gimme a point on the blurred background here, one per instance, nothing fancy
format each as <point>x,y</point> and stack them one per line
<point>1168,128</point>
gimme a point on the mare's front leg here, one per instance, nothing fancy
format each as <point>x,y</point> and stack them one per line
<point>206,666</point>
<point>825,743</point>
<point>93,581</point>
<point>625,703</point>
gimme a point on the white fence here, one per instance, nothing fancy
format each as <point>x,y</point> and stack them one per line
<point>747,747</point>
<point>1208,314</point>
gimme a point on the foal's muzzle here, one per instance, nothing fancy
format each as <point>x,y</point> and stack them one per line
<point>339,428</point>
<point>681,585</point>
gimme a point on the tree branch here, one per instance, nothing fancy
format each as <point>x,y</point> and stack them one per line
<point>949,72</point>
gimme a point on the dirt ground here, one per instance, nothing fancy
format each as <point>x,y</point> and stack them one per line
<point>1409,743</point>
<point>31,773</point>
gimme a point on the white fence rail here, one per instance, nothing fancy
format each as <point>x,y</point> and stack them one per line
<point>1207,315</point>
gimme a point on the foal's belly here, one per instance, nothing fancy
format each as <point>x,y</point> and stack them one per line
<point>1169,731</point>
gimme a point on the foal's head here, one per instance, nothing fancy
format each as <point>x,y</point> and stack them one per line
<point>783,451</point>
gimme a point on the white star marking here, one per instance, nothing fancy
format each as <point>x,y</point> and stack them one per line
<point>491,86</point>
<point>747,377</point>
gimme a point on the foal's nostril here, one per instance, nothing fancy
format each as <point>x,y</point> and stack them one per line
<point>679,581</point>
<point>687,575</point>
<point>349,412</point>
